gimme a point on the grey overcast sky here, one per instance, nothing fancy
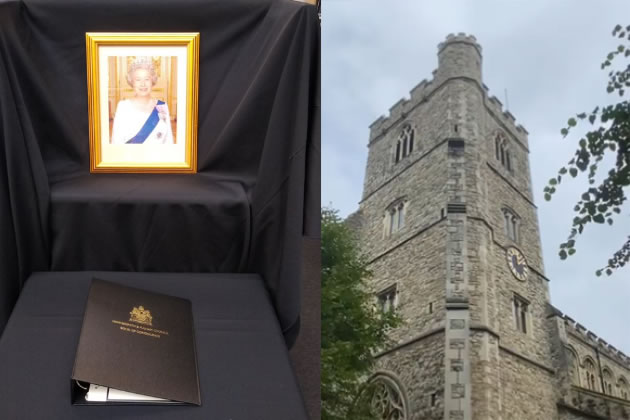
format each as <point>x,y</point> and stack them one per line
<point>546,54</point>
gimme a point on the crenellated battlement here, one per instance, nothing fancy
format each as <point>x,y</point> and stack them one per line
<point>425,88</point>
<point>399,108</point>
<point>446,71</point>
<point>460,37</point>
<point>595,341</point>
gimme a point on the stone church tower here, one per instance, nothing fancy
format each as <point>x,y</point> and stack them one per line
<point>449,225</point>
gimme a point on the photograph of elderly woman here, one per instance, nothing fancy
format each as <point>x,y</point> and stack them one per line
<point>142,100</point>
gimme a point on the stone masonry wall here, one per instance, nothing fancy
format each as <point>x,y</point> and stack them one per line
<point>417,269</point>
<point>421,186</point>
<point>419,368</point>
<point>427,119</point>
<point>527,391</point>
<point>486,376</point>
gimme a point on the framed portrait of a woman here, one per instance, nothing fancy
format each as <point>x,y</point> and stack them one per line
<point>142,96</point>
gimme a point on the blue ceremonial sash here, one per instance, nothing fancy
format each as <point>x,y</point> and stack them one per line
<point>147,128</point>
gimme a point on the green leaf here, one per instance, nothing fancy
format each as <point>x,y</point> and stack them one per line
<point>573,172</point>
<point>564,131</point>
<point>592,117</point>
<point>617,210</point>
<point>563,254</point>
<point>547,197</point>
<point>563,170</point>
<point>608,271</point>
<point>586,196</point>
<point>621,48</point>
<point>610,221</point>
<point>571,251</point>
<point>599,218</point>
<point>598,273</point>
<point>571,243</point>
<point>572,122</point>
<point>553,181</point>
<point>582,143</point>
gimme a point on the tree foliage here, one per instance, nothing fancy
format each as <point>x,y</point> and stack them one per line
<point>609,134</point>
<point>352,328</point>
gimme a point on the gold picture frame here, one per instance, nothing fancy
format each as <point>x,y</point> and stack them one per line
<point>142,101</point>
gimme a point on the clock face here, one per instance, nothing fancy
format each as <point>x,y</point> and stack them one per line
<point>516,262</point>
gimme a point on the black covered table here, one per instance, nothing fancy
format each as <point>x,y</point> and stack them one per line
<point>244,367</point>
<point>135,222</point>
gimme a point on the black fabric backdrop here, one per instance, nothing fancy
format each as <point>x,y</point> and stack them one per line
<point>258,129</point>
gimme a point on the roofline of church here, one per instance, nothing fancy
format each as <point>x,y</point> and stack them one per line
<point>591,338</point>
<point>422,91</point>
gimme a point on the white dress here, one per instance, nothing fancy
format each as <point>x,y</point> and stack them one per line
<point>129,120</point>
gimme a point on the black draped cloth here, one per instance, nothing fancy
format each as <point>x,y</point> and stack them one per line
<point>257,190</point>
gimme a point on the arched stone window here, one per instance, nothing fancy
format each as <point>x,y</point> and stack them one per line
<point>502,151</point>
<point>387,300</point>
<point>511,223</point>
<point>623,389</point>
<point>405,143</point>
<point>573,362</point>
<point>387,400</point>
<point>608,381</point>
<point>589,370</point>
<point>394,217</point>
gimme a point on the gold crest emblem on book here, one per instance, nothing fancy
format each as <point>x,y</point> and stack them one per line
<point>141,315</point>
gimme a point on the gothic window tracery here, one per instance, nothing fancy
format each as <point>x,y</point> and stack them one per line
<point>521,308</point>
<point>608,381</point>
<point>388,299</point>
<point>387,401</point>
<point>589,369</point>
<point>394,218</point>
<point>622,386</point>
<point>405,143</point>
<point>511,224</point>
<point>574,371</point>
<point>502,151</point>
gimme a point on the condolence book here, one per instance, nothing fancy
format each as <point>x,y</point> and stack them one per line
<point>136,347</point>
